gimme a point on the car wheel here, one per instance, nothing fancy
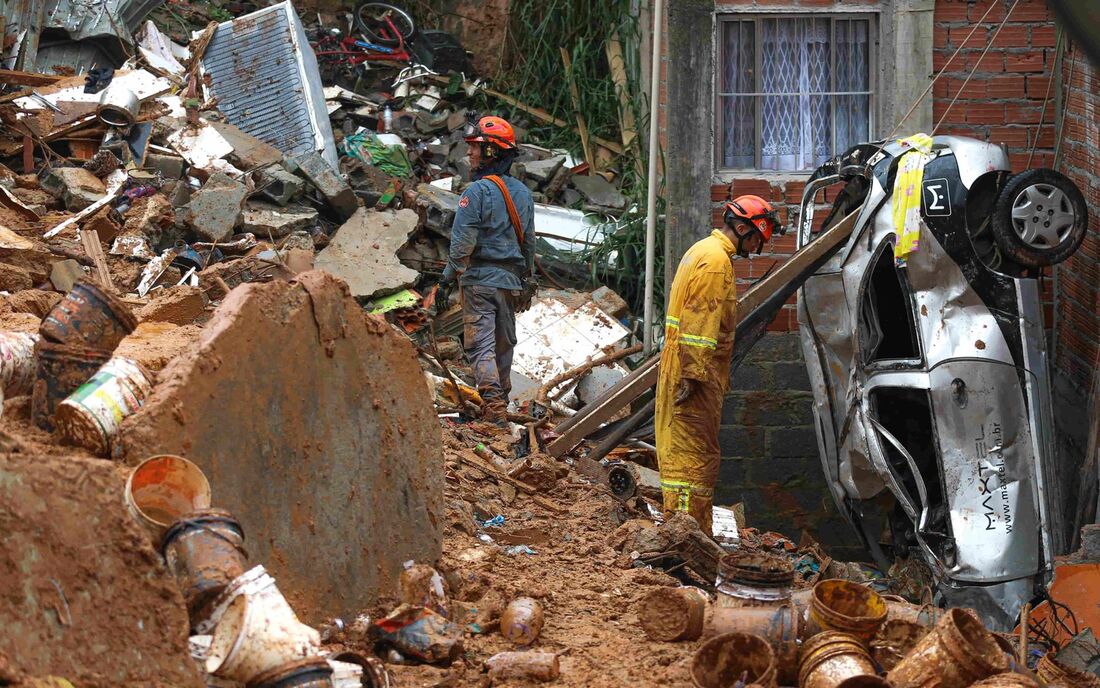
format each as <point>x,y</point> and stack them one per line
<point>1039,218</point>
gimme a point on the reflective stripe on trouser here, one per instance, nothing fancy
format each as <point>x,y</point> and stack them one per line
<point>687,445</point>
<point>489,337</point>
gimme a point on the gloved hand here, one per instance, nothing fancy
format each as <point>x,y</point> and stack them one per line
<point>687,388</point>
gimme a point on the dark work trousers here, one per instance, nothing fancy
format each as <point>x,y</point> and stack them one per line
<point>489,336</point>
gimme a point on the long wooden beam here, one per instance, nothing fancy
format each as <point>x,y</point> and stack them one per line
<point>758,300</point>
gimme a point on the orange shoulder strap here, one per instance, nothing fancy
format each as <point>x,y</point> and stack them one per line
<point>512,212</point>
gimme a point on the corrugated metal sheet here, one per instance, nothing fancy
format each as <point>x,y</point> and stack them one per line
<point>265,79</point>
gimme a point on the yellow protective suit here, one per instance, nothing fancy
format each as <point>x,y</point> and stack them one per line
<point>699,329</point>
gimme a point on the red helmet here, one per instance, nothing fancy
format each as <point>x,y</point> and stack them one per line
<point>494,130</point>
<point>755,212</point>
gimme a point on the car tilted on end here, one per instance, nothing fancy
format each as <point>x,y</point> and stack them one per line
<point>930,380</point>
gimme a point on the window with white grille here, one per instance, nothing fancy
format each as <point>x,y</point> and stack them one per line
<point>793,90</point>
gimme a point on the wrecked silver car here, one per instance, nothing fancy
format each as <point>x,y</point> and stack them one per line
<point>930,380</point>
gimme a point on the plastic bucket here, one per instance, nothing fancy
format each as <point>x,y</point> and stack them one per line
<point>88,316</point>
<point>754,579</point>
<point>59,371</point>
<point>204,550</point>
<point>672,614</point>
<point>830,658</point>
<point>958,652</point>
<point>1008,681</point>
<point>1052,671</point>
<point>724,659</point>
<point>900,608</point>
<point>16,363</point>
<point>895,639</point>
<point>374,673</point>
<point>257,634</point>
<point>865,681</point>
<point>254,581</point>
<point>313,672</point>
<point>162,489</point>
<point>847,607</point>
<point>781,626</point>
<point>90,416</point>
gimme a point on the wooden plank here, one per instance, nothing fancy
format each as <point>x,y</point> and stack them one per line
<point>627,123</point>
<point>15,77</point>
<point>623,393</point>
<point>574,94</point>
<point>90,239</point>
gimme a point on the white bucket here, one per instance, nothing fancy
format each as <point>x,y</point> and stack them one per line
<point>90,416</point>
<point>17,363</point>
<point>257,634</point>
<point>254,582</point>
<point>162,489</point>
<point>346,674</point>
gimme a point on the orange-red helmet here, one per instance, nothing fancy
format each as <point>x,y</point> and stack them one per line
<point>494,130</point>
<point>755,212</point>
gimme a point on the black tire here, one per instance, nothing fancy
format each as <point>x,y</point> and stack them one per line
<point>367,17</point>
<point>1039,218</point>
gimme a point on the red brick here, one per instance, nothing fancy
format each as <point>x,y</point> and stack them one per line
<point>1011,36</point>
<point>940,88</point>
<point>1027,114</point>
<point>985,113</point>
<point>1032,11</point>
<point>793,192</point>
<point>1025,62</point>
<point>992,61</point>
<point>1038,86</point>
<point>951,11</point>
<point>719,193</point>
<point>969,37</point>
<point>1043,137</point>
<point>940,36</point>
<point>1043,36</point>
<point>975,89</point>
<point>759,266</point>
<point>785,244</point>
<point>1005,87</point>
<point>940,64</point>
<point>987,10</point>
<point>1013,137</point>
<point>754,187</point>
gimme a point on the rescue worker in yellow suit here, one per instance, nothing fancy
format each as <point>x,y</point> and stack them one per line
<point>695,362</point>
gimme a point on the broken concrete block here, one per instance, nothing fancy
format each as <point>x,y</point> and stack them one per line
<point>169,166</point>
<point>336,485</point>
<point>64,274</point>
<point>153,218</point>
<point>279,185</point>
<point>214,211</point>
<point>436,208</point>
<point>249,152</point>
<point>104,224</point>
<point>543,171</point>
<point>115,620</point>
<point>328,182</point>
<point>179,305</point>
<point>364,252</point>
<point>598,191</point>
<point>263,219</point>
<point>75,186</point>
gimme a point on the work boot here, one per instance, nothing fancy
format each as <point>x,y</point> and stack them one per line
<point>495,412</point>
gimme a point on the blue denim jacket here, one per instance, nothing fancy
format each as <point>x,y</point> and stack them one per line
<point>483,243</point>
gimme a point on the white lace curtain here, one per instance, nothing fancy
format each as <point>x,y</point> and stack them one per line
<point>799,101</point>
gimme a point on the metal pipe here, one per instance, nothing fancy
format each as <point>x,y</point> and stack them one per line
<point>651,201</point>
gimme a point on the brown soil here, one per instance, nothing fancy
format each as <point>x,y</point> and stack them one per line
<point>154,344</point>
<point>93,603</point>
<point>180,305</point>
<point>37,302</point>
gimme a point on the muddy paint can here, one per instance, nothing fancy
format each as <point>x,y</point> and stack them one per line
<point>781,626</point>
<point>524,666</point>
<point>162,489</point>
<point>895,640</point>
<point>900,608</point>
<point>847,607</point>
<point>522,621</point>
<point>91,415</point>
<point>88,316</point>
<point>205,552</point>
<point>312,672</point>
<point>17,363</point>
<point>59,371</point>
<point>830,658</point>
<point>725,659</point>
<point>256,635</point>
<point>374,671</point>
<point>255,582</point>
<point>1052,671</point>
<point>747,579</point>
<point>958,652</point>
<point>423,586</point>
<point>865,681</point>
<point>1008,680</point>
<point>672,614</point>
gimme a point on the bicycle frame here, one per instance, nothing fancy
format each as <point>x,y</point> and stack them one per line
<point>359,51</point>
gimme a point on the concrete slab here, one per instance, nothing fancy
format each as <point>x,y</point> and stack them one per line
<point>364,252</point>
<point>326,180</point>
<point>314,427</point>
<point>214,211</point>
<point>85,595</point>
<point>263,219</point>
<point>599,191</point>
<point>75,186</point>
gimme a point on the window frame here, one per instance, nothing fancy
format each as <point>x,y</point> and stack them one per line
<point>724,16</point>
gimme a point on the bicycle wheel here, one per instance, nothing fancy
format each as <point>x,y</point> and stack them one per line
<point>370,18</point>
